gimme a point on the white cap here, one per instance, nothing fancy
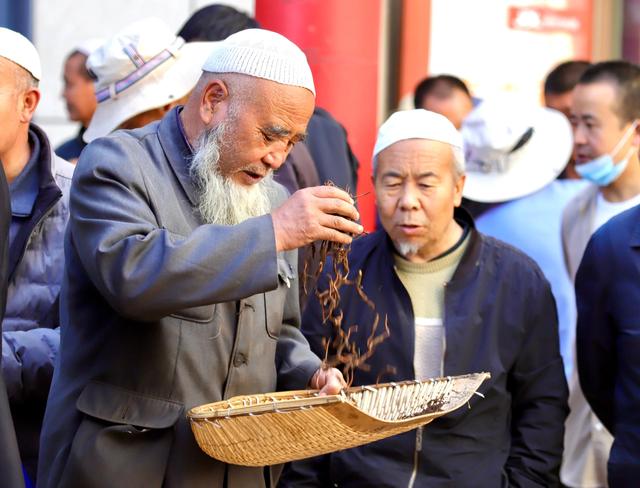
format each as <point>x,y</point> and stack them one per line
<point>143,67</point>
<point>416,124</point>
<point>87,46</point>
<point>18,49</point>
<point>263,54</point>
<point>513,149</point>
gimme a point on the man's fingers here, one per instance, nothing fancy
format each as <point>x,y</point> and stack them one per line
<point>326,191</point>
<point>338,207</point>
<point>346,226</point>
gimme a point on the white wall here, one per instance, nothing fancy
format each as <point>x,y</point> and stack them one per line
<point>61,24</point>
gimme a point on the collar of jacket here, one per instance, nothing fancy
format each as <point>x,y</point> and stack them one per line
<point>48,195</point>
<point>178,152</point>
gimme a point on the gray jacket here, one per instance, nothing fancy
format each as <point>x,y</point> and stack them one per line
<point>161,313</point>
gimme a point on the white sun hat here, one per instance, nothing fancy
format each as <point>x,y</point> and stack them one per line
<point>88,46</point>
<point>143,67</point>
<point>416,124</point>
<point>19,50</point>
<point>263,54</point>
<point>513,149</point>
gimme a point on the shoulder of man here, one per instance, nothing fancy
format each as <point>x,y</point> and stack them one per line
<point>504,257</point>
<point>578,205</point>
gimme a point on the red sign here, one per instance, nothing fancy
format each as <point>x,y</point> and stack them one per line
<point>540,19</point>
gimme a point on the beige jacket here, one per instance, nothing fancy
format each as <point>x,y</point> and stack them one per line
<point>587,443</point>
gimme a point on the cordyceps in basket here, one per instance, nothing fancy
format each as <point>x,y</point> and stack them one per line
<point>345,354</point>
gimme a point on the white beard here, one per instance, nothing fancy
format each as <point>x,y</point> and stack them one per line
<point>222,201</point>
<point>405,249</point>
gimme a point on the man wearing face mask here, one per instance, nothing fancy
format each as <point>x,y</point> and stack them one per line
<point>605,114</point>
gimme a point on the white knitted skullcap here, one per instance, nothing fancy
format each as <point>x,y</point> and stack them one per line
<point>19,50</point>
<point>416,124</point>
<point>263,54</point>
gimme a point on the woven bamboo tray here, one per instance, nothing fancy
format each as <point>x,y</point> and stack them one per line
<point>273,428</point>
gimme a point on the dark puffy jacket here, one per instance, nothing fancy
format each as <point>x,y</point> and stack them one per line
<point>499,317</point>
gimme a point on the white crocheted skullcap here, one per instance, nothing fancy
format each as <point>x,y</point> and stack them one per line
<point>19,50</point>
<point>416,124</point>
<point>263,54</point>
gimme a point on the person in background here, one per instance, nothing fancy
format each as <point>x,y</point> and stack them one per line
<point>79,96</point>
<point>39,183</point>
<point>447,95</point>
<point>141,73</point>
<point>10,466</point>
<point>608,339</point>
<point>558,95</point>
<point>605,113</point>
<point>215,23</point>
<point>456,302</point>
<point>515,153</point>
<point>180,288</point>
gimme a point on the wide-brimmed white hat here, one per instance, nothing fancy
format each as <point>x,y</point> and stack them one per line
<point>21,51</point>
<point>513,149</point>
<point>143,67</point>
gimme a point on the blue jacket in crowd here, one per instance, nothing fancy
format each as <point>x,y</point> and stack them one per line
<point>608,339</point>
<point>30,336</point>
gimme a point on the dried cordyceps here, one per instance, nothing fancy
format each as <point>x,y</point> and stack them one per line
<point>340,351</point>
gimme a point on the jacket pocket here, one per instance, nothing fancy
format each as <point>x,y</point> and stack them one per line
<point>124,439</point>
<point>275,300</point>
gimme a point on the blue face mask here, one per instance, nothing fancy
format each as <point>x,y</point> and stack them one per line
<point>602,170</point>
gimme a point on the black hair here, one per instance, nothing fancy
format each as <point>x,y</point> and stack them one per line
<point>84,72</point>
<point>626,77</point>
<point>564,77</point>
<point>441,86</point>
<point>215,23</point>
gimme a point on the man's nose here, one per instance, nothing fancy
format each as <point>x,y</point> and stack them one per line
<point>409,198</point>
<point>275,158</point>
<point>578,135</point>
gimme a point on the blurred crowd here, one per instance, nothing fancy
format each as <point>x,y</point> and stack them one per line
<point>160,259</point>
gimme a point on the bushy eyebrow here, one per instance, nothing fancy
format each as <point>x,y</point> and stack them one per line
<point>279,132</point>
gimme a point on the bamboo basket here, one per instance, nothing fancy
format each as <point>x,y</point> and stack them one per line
<point>273,428</point>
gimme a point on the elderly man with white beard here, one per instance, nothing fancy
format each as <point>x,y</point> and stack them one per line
<point>180,284</point>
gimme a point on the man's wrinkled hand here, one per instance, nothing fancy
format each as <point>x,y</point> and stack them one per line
<point>329,381</point>
<point>315,213</point>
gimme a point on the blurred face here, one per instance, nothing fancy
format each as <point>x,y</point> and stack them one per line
<point>416,193</point>
<point>261,131</point>
<point>559,101</point>
<point>454,107</point>
<point>78,90</point>
<point>10,105</point>
<point>597,128</point>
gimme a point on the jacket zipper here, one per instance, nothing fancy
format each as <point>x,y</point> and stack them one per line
<point>416,457</point>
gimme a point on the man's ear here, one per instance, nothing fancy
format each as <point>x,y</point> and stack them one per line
<point>214,94</point>
<point>459,186</point>
<point>29,100</point>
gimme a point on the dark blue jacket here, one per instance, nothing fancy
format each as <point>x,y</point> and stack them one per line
<point>608,338</point>
<point>499,317</point>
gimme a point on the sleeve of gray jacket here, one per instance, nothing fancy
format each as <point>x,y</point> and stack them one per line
<point>28,358</point>
<point>295,362</point>
<point>146,271</point>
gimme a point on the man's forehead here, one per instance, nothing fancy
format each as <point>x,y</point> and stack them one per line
<point>416,154</point>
